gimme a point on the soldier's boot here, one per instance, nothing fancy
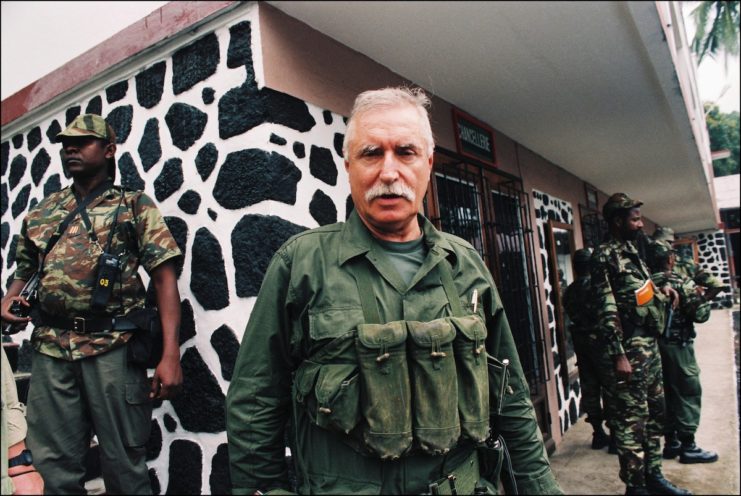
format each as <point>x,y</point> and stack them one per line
<point>639,490</point>
<point>599,437</point>
<point>657,484</point>
<point>672,446</point>
<point>612,448</point>
<point>692,453</point>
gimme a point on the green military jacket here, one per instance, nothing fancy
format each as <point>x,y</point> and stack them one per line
<point>692,306</point>
<point>618,276</point>
<point>580,305</point>
<point>687,267</point>
<point>141,239</point>
<point>309,297</point>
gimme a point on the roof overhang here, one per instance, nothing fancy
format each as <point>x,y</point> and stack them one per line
<point>590,86</point>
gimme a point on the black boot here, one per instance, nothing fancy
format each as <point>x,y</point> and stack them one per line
<point>657,484</point>
<point>599,438</point>
<point>612,448</point>
<point>672,446</point>
<point>636,490</point>
<point>692,453</point>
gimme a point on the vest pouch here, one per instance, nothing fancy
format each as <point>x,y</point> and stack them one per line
<point>498,382</point>
<point>473,377</point>
<point>385,390</point>
<point>326,385</point>
<point>338,397</point>
<point>432,375</point>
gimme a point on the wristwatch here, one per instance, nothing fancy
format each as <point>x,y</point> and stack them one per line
<point>24,458</point>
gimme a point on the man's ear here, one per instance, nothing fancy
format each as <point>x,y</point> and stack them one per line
<point>110,150</point>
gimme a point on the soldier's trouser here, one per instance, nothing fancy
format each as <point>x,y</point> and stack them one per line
<point>682,388</point>
<point>596,378</point>
<point>69,400</point>
<point>639,412</point>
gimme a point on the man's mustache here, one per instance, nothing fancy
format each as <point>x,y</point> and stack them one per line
<point>395,189</point>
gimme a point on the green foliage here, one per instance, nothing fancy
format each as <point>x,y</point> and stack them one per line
<point>723,35</point>
<point>723,130</point>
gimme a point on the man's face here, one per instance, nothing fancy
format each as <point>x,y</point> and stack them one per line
<point>389,169</point>
<point>85,156</point>
<point>632,225</point>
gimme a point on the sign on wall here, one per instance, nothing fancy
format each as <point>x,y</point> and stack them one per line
<point>474,138</point>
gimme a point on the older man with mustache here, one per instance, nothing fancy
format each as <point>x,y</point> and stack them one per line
<point>378,348</point>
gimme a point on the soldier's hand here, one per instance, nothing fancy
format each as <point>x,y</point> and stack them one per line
<point>7,315</point>
<point>671,293</point>
<point>29,482</point>
<point>167,379</point>
<point>622,368</point>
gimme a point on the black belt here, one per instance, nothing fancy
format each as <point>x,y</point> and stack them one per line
<point>86,325</point>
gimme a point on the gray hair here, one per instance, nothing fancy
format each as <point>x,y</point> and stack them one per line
<point>391,97</point>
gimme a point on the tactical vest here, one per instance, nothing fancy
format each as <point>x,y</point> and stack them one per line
<point>403,386</point>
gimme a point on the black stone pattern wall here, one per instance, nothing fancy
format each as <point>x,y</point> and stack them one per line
<point>548,208</point>
<point>236,170</point>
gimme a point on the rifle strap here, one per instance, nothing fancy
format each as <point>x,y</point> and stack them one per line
<point>81,204</point>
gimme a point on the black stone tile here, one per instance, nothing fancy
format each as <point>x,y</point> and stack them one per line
<point>255,239</point>
<point>250,176</point>
<point>219,479</point>
<point>170,423</point>
<point>179,230</point>
<point>154,481</point>
<point>299,149</point>
<point>212,214</point>
<point>226,345</point>
<point>17,170</point>
<point>195,63</point>
<point>52,185</point>
<point>186,124</point>
<point>4,200</point>
<point>117,91</point>
<point>4,234</point>
<point>200,406</point>
<point>189,202</point>
<point>11,252</point>
<point>322,166</point>
<point>130,177</point>
<point>154,444</point>
<point>206,160</point>
<point>170,179</point>
<point>337,143</point>
<point>187,322</point>
<point>274,138</point>
<point>240,49</point>
<point>208,95</point>
<point>17,141</point>
<point>322,208</point>
<point>21,201</point>
<point>327,115</point>
<point>185,474</point>
<point>70,114</point>
<point>52,131</point>
<point>95,106</point>
<point>150,150</point>
<point>120,120</point>
<point>150,84</point>
<point>34,138</point>
<point>208,275</point>
<point>4,157</point>
<point>39,165</point>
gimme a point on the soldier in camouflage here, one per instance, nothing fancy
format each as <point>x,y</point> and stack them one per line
<point>686,266</point>
<point>683,391</point>
<point>83,381</point>
<point>595,366</point>
<point>631,316</point>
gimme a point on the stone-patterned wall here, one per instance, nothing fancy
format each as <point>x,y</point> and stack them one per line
<point>713,258</point>
<point>235,169</point>
<point>550,208</point>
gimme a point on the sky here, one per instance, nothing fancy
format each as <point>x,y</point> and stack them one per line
<point>71,28</point>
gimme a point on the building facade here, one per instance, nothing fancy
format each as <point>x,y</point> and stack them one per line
<point>231,116</point>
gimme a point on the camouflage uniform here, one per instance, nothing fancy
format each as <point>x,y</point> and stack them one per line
<point>595,366</point>
<point>100,389</point>
<point>679,364</point>
<point>685,266</point>
<point>631,329</point>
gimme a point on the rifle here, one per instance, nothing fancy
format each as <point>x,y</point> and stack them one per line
<point>30,293</point>
<point>668,325</point>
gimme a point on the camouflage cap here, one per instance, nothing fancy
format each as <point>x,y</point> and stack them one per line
<point>582,256</point>
<point>89,125</point>
<point>617,202</point>
<point>661,250</point>
<point>663,234</point>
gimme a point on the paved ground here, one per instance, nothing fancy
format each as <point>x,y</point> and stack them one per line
<point>581,470</point>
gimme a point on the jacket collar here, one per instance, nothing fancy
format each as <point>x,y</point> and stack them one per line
<point>357,239</point>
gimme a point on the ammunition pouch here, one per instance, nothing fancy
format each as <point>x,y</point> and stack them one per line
<point>145,345</point>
